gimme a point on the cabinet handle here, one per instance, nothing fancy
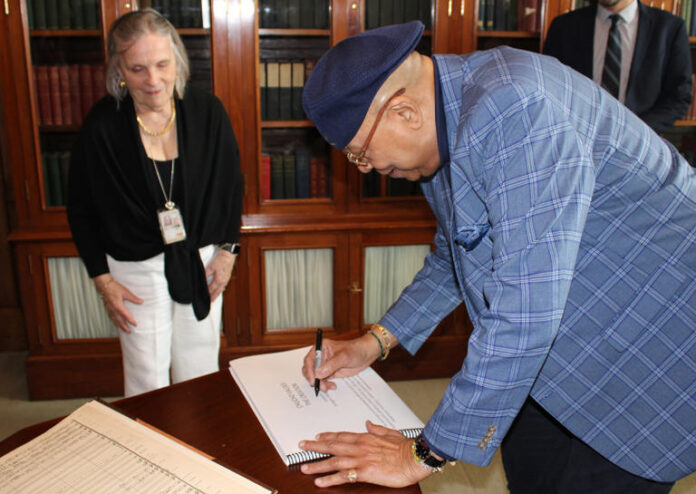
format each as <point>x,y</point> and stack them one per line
<point>354,287</point>
<point>449,8</point>
<point>7,7</point>
<point>461,8</point>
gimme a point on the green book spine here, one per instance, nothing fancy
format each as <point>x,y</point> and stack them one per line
<point>426,13</point>
<point>306,14</point>
<point>371,14</point>
<point>51,14</point>
<point>30,13</point>
<point>302,180</point>
<point>273,90</point>
<point>410,10</point>
<point>77,12</point>
<point>398,11</point>
<point>90,14</point>
<point>321,14</point>
<point>54,185</point>
<point>263,91</point>
<point>386,12</point>
<point>285,91</point>
<point>265,14</point>
<point>64,17</point>
<point>298,72</point>
<point>47,188</point>
<point>64,162</point>
<point>39,9</point>
<point>277,183</point>
<point>294,14</point>
<point>289,176</point>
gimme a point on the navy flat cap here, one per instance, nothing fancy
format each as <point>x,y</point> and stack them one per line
<point>339,90</point>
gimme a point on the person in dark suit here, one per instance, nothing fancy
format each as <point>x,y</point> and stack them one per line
<point>656,63</point>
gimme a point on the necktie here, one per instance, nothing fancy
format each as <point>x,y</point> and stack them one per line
<point>612,59</point>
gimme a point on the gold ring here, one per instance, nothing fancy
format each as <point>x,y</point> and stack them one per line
<point>352,476</point>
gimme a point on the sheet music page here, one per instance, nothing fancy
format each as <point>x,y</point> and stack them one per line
<point>285,404</point>
<point>96,449</point>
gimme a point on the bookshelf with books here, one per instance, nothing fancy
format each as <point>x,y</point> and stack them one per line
<point>313,226</point>
<point>51,73</point>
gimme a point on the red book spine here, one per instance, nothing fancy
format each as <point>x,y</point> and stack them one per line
<point>266,177</point>
<point>43,95</point>
<point>64,80</point>
<point>75,100</point>
<point>86,89</point>
<point>314,177</point>
<point>98,82</point>
<point>54,91</point>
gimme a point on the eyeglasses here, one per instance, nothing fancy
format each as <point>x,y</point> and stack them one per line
<point>359,159</point>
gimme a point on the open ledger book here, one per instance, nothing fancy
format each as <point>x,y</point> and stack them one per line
<point>285,404</point>
<point>97,449</point>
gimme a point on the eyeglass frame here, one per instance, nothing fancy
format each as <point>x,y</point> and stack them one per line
<point>359,159</point>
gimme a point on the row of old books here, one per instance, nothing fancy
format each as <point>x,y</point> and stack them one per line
<point>294,14</point>
<point>509,15</point>
<point>385,12</point>
<point>393,187</point>
<point>687,11</point>
<point>63,14</point>
<point>184,13</point>
<point>55,171</point>
<point>65,93</point>
<point>281,84</point>
<point>294,175</point>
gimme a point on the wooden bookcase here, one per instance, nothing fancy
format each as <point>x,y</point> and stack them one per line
<point>339,232</point>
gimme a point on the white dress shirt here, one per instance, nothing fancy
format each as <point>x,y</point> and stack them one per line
<point>628,28</point>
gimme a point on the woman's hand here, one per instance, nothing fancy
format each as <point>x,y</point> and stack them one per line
<point>381,456</point>
<point>340,359</point>
<point>220,268</point>
<point>114,294</point>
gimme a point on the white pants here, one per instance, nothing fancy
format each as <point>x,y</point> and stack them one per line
<point>167,334</point>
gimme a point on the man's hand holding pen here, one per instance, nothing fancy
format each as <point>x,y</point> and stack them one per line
<point>339,359</point>
<point>380,455</point>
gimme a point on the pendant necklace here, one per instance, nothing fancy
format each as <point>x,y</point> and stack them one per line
<point>169,204</point>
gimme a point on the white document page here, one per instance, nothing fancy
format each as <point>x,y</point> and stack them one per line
<point>285,404</point>
<point>96,449</point>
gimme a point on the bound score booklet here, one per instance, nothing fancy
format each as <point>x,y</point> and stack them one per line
<point>285,404</point>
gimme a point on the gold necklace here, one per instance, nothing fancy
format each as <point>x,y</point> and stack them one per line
<point>166,127</point>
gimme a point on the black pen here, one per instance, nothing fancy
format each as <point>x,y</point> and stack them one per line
<point>317,361</point>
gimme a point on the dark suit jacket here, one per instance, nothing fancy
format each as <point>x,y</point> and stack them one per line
<point>659,85</point>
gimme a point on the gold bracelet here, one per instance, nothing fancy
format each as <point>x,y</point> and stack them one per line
<point>385,339</point>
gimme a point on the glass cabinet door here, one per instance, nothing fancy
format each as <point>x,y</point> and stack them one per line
<point>388,270</point>
<point>78,310</point>
<point>67,61</point>
<point>295,160</point>
<point>298,288</point>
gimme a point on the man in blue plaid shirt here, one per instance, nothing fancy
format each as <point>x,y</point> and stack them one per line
<point>566,226</point>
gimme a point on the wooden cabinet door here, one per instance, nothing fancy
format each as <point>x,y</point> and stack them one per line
<point>297,282</point>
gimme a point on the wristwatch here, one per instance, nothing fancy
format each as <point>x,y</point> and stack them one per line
<point>423,455</point>
<point>231,248</point>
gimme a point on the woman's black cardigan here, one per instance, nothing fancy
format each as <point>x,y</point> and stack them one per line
<point>114,196</point>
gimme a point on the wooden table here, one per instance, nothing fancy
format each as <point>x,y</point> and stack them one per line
<point>211,414</point>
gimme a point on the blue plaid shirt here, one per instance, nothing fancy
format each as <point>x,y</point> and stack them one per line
<point>567,227</point>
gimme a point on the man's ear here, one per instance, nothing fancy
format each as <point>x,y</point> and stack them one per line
<point>409,111</point>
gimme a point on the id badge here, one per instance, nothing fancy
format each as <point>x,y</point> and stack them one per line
<point>171,225</point>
